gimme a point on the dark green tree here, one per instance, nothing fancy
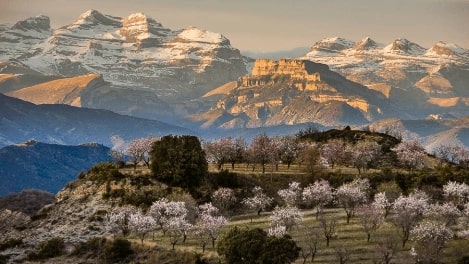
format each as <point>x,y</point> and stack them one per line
<point>254,246</point>
<point>179,161</point>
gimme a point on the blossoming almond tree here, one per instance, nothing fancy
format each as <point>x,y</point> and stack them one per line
<point>351,195</point>
<point>259,202</point>
<point>430,238</point>
<point>409,210</point>
<point>318,195</point>
<point>141,224</point>
<point>370,217</point>
<point>292,194</point>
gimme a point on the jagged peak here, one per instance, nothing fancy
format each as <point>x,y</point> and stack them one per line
<point>92,16</point>
<point>38,23</point>
<point>366,44</point>
<point>450,49</point>
<point>402,45</point>
<point>333,44</point>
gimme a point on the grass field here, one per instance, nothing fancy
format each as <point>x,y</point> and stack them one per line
<point>349,238</point>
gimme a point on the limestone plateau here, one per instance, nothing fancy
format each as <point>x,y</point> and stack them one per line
<point>291,91</point>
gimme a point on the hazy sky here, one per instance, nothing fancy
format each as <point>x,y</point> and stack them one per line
<point>270,25</point>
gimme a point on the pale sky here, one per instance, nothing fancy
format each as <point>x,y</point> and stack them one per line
<point>272,25</point>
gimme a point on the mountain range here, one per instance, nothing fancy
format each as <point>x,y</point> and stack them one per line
<point>194,78</point>
<point>134,54</point>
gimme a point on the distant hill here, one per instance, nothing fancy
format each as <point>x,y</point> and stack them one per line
<point>27,201</point>
<point>68,125</point>
<point>35,165</point>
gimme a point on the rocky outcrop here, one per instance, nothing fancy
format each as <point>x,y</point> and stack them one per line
<point>292,92</point>
<point>301,74</point>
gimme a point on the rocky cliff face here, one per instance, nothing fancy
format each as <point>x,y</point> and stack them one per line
<point>133,54</point>
<point>292,92</point>
<point>419,81</point>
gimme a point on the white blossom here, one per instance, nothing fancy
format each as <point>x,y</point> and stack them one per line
<point>260,201</point>
<point>292,194</point>
<point>277,230</point>
<point>455,192</point>
<point>318,194</point>
<point>141,224</point>
<point>350,195</point>
<point>430,238</point>
<point>224,198</point>
<point>287,216</point>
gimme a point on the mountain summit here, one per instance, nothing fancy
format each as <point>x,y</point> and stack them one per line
<point>135,53</point>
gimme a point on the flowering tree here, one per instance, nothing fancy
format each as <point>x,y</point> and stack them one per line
<point>287,216</point>
<point>177,228</point>
<point>445,213</point>
<point>363,153</point>
<point>453,154</point>
<point>318,195</point>
<point>410,154</point>
<point>370,217</point>
<point>430,238</point>
<point>388,192</point>
<point>335,152</point>
<point>223,198</point>
<point>292,194</point>
<point>141,224</point>
<point>139,150</point>
<point>260,201</point>
<point>457,193</point>
<point>118,219</point>
<point>288,150</point>
<point>261,150</point>
<point>351,195</point>
<point>219,150</point>
<point>408,211</point>
<point>164,212</point>
<point>210,223</point>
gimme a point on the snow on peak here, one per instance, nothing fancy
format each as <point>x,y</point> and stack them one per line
<point>333,44</point>
<point>366,44</point>
<point>94,17</point>
<point>200,35</point>
<point>402,45</point>
<point>448,49</point>
<point>37,23</point>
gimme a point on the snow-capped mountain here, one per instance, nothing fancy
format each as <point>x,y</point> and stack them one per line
<point>417,80</point>
<point>134,52</point>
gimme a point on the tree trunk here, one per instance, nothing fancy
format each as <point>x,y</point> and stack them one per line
<point>368,237</point>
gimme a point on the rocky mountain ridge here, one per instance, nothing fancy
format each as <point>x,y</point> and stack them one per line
<point>133,54</point>
<point>417,80</point>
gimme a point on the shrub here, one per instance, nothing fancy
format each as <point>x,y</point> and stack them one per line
<point>118,250</point>
<point>52,248</point>
<point>12,242</point>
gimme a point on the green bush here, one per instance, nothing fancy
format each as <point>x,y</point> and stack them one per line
<point>52,248</point>
<point>3,259</point>
<point>255,246</point>
<point>103,172</point>
<point>10,243</point>
<point>118,250</point>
